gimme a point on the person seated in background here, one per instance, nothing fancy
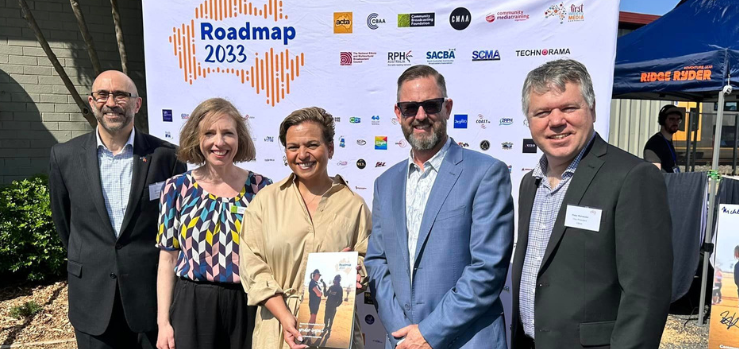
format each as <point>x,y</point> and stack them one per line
<point>659,149</point>
<point>200,216</point>
<point>306,212</point>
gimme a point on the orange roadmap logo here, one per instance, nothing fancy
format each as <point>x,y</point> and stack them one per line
<point>208,45</point>
<point>342,22</point>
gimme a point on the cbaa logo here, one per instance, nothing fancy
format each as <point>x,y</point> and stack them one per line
<point>407,20</point>
<point>485,55</point>
<point>506,121</point>
<point>373,21</point>
<point>460,120</point>
<point>375,120</point>
<point>460,18</point>
<point>507,145</point>
<point>380,142</point>
<point>167,115</point>
<point>556,11</point>
<point>441,57</point>
<point>355,120</point>
<point>342,22</point>
<point>208,44</point>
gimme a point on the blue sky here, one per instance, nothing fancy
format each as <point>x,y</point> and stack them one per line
<point>652,7</point>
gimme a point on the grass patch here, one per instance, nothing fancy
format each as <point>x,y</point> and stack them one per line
<point>25,310</point>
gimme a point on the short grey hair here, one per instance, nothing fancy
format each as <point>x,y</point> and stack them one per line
<point>556,74</point>
<point>422,71</point>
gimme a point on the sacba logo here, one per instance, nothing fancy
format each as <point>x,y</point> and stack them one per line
<point>485,55</point>
<point>441,57</point>
<point>355,120</point>
<point>373,21</point>
<point>556,11</point>
<point>380,142</point>
<point>342,22</point>
<point>460,120</point>
<point>225,43</point>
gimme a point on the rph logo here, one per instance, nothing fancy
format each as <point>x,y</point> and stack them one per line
<point>399,58</point>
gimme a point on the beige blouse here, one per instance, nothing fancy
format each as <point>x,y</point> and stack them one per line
<point>278,235</point>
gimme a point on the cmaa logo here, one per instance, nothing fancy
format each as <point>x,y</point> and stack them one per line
<point>485,55</point>
<point>380,142</point>
<point>238,42</point>
<point>506,121</point>
<point>375,120</point>
<point>460,18</point>
<point>556,11</point>
<point>380,164</point>
<point>460,120</point>
<point>342,22</point>
<point>399,58</point>
<point>373,21</point>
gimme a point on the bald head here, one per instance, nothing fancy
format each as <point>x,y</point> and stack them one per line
<point>116,78</point>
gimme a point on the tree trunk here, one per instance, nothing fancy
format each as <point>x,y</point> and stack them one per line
<point>87,37</point>
<point>119,36</point>
<point>55,62</point>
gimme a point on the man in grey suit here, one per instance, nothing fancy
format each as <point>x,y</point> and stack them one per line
<point>104,189</point>
<point>593,262</point>
<point>442,231</point>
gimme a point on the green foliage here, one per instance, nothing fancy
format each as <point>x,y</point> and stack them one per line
<point>29,245</point>
<point>25,310</point>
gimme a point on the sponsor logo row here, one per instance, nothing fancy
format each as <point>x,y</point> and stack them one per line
<point>459,19</point>
<point>445,56</point>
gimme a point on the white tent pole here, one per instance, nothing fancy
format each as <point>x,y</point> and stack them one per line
<point>712,188</point>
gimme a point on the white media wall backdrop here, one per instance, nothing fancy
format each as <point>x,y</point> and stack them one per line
<point>270,57</point>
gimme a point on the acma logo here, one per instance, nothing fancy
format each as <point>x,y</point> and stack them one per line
<point>225,45</point>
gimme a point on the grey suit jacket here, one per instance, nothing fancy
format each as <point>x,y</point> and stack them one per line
<point>99,264</point>
<point>609,288</point>
<point>462,256</point>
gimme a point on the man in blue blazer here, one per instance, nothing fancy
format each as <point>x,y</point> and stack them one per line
<point>442,232</point>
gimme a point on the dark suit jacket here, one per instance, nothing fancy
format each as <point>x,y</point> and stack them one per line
<point>98,263</point>
<point>609,288</point>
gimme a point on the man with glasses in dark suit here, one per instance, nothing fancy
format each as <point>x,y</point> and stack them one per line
<point>104,189</point>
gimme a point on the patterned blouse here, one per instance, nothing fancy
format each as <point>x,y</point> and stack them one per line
<point>205,228</point>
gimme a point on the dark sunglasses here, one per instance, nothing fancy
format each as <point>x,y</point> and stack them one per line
<point>431,106</point>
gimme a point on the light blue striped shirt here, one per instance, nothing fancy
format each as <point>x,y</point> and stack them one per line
<point>417,189</point>
<point>116,172</point>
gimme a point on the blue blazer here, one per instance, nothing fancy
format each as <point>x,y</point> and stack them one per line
<point>462,256</point>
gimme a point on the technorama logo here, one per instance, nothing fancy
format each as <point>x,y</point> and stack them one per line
<point>243,39</point>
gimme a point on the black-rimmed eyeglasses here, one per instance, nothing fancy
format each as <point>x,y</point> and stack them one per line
<point>430,106</point>
<point>118,96</point>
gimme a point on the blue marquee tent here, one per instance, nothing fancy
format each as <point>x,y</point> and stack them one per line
<point>690,54</point>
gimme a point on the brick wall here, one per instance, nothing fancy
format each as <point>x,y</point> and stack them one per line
<point>36,109</point>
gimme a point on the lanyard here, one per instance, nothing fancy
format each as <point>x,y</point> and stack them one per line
<point>672,152</point>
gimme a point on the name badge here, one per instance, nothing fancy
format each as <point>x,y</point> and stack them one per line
<point>583,218</point>
<point>238,209</point>
<point>154,190</point>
